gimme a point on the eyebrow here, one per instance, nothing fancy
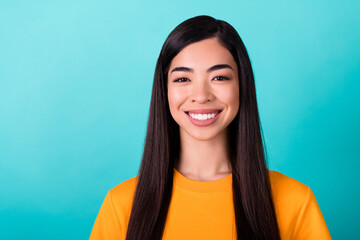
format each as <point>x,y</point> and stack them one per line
<point>213,68</point>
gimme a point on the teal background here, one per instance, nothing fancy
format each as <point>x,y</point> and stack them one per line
<point>75,87</point>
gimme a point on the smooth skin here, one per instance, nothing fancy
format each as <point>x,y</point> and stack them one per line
<point>203,153</point>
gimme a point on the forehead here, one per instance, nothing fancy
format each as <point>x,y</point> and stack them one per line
<point>200,55</point>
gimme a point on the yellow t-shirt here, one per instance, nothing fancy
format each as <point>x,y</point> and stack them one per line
<point>204,210</point>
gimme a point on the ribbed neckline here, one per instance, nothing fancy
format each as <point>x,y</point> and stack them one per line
<point>220,185</point>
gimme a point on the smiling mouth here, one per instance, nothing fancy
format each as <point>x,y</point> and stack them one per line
<point>217,112</point>
<point>203,117</point>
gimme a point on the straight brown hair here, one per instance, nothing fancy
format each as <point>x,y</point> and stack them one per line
<point>252,197</point>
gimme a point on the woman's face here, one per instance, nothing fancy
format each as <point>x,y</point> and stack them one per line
<point>203,89</point>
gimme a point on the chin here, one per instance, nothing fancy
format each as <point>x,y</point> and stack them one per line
<point>202,135</point>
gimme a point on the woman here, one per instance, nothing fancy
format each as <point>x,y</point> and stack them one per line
<point>203,173</point>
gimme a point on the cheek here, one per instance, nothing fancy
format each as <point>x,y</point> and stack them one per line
<point>230,96</point>
<point>175,97</point>
<point>234,98</point>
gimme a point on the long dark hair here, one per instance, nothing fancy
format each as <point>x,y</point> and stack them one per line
<point>254,208</point>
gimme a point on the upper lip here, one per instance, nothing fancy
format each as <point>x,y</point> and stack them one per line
<point>204,111</point>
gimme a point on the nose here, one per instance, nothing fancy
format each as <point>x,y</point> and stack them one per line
<point>201,93</point>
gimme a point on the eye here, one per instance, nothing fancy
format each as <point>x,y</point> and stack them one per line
<point>181,80</point>
<point>220,78</point>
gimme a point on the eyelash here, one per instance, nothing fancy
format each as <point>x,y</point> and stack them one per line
<point>223,78</point>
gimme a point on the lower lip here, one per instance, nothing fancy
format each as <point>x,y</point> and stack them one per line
<point>203,123</point>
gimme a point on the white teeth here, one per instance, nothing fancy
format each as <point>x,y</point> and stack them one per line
<point>202,117</point>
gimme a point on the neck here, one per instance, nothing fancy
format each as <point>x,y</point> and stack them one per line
<point>203,160</point>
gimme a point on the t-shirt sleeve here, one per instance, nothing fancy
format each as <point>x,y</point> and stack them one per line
<point>310,223</point>
<point>107,224</point>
